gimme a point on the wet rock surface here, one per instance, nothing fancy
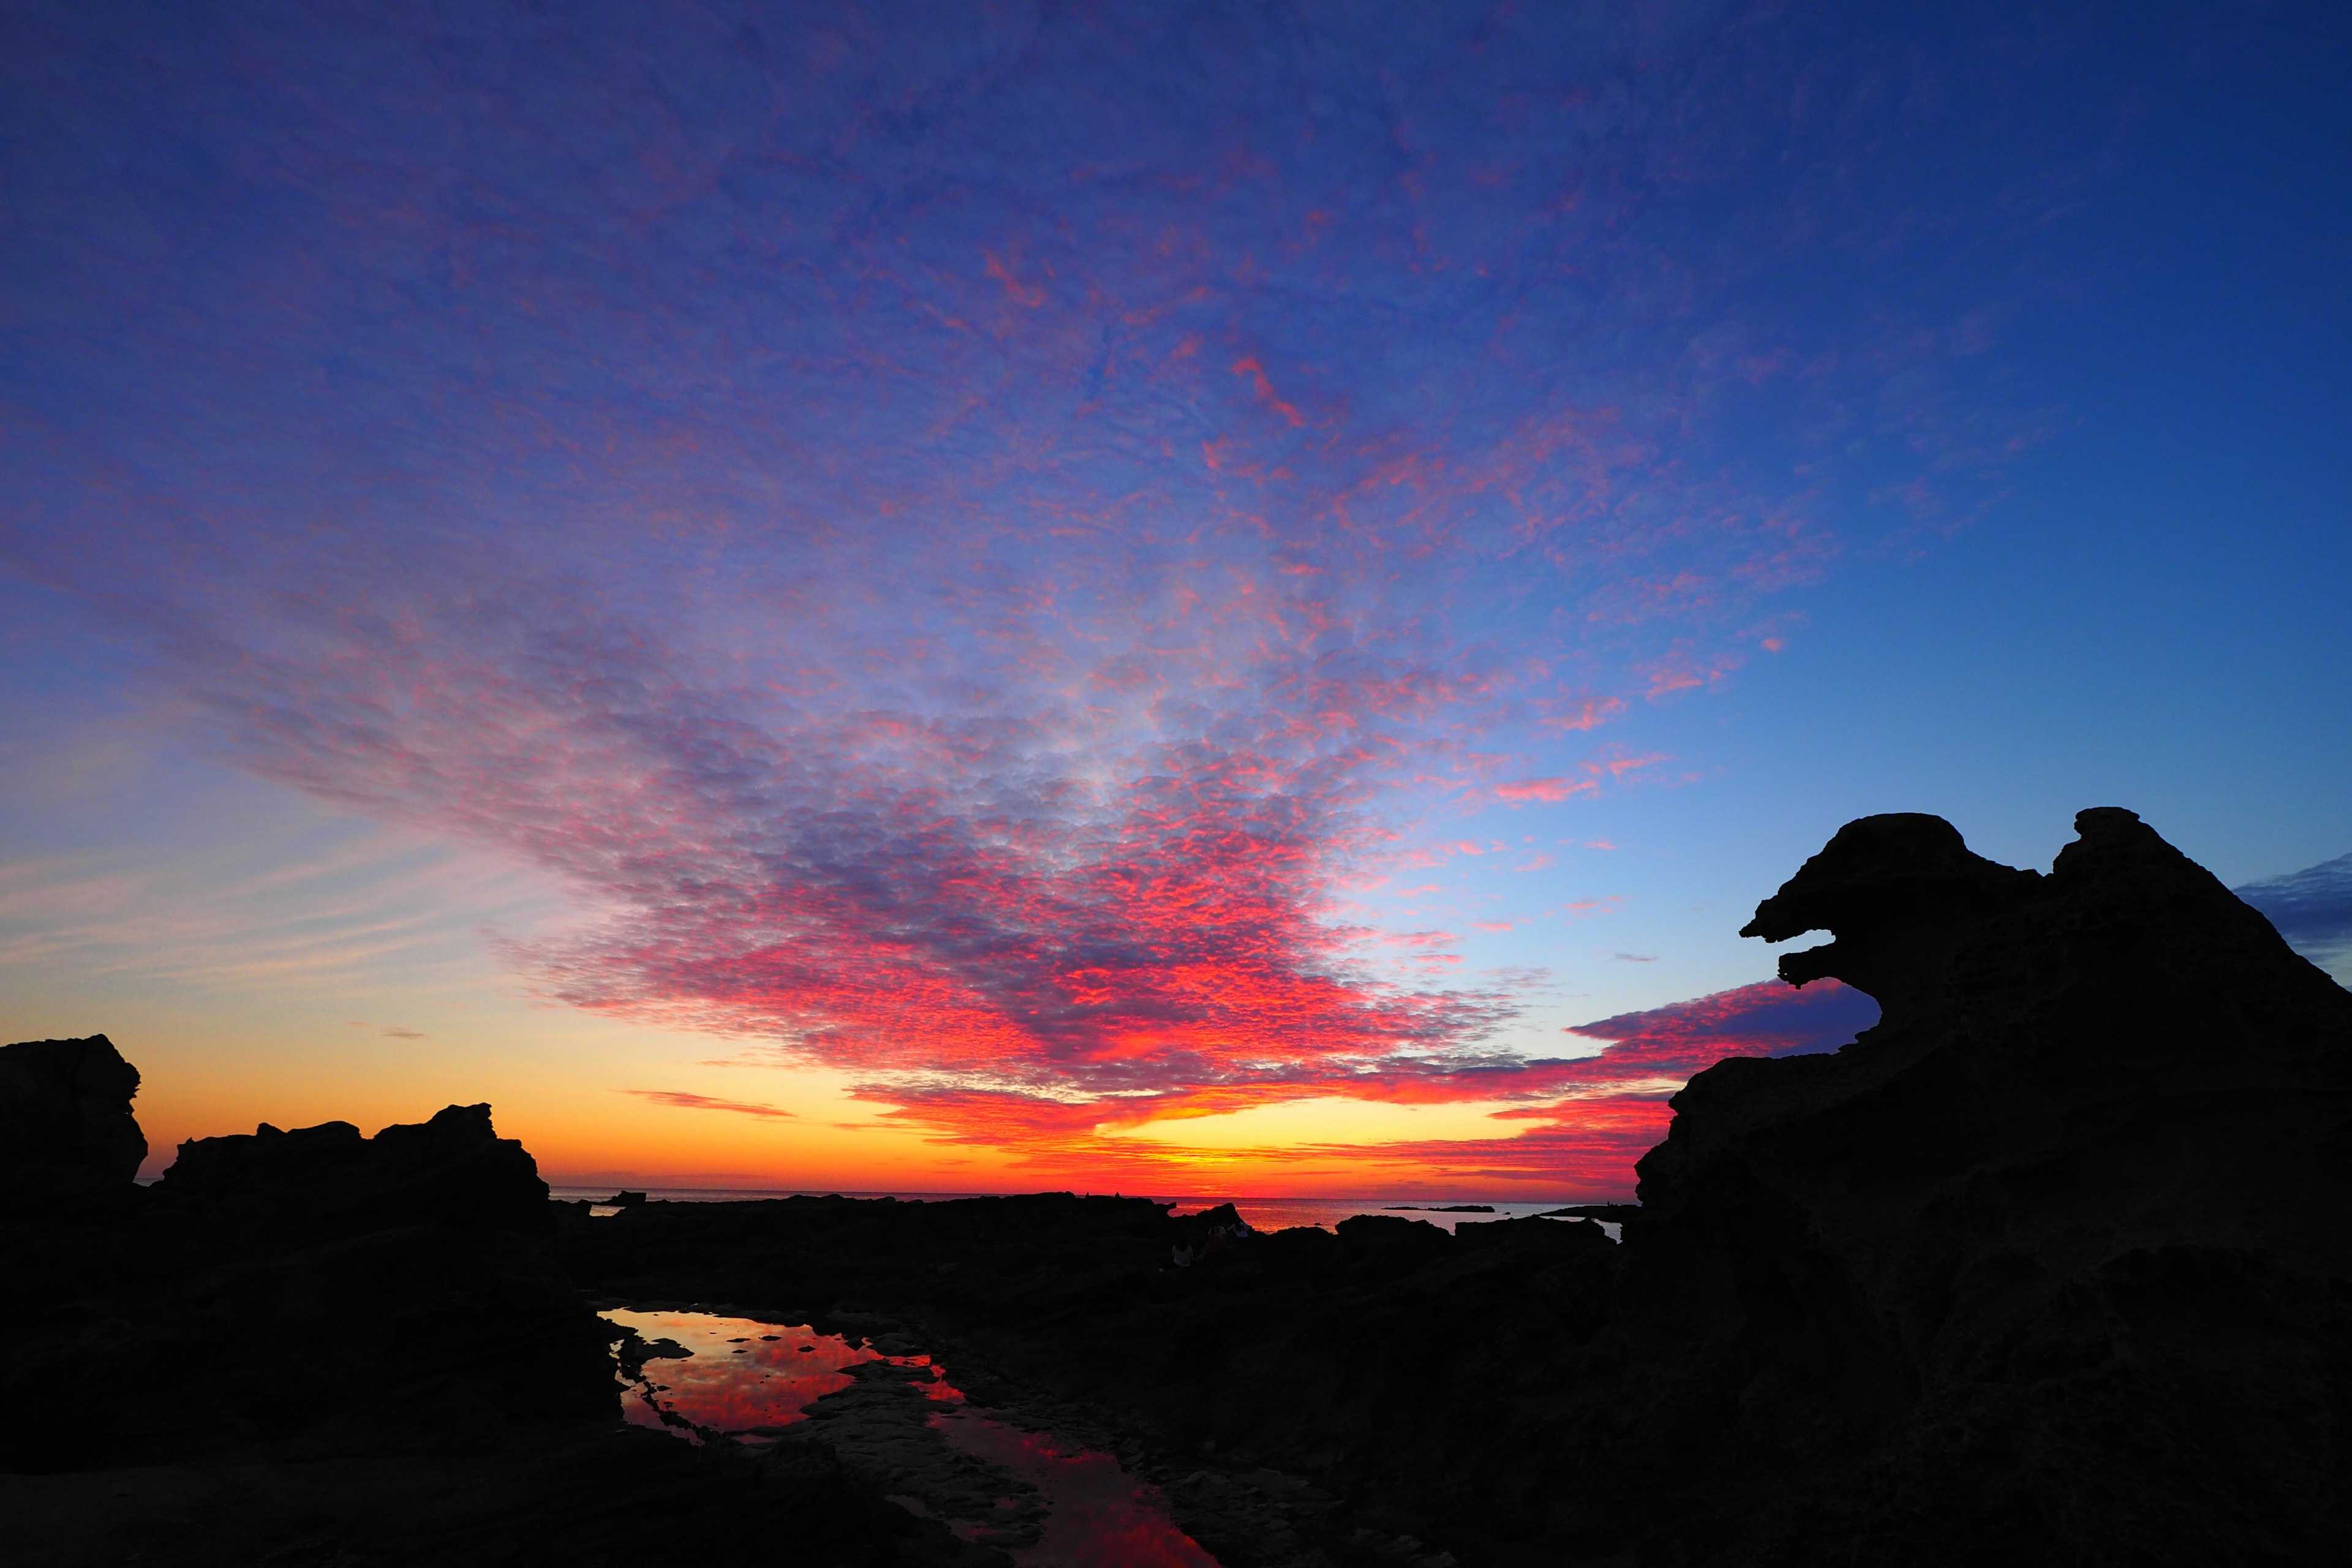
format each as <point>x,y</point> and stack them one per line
<point>880,1431</point>
<point>2049,1266</point>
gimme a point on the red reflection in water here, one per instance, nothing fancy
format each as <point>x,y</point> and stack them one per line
<point>1101,1517</point>
<point>745,1375</point>
<point>741,1374</point>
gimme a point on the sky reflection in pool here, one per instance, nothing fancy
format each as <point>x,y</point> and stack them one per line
<point>742,1374</point>
<point>1100,1516</point>
<point>745,1375</point>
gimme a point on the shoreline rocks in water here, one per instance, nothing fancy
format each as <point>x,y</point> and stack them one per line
<point>2049,1266</point>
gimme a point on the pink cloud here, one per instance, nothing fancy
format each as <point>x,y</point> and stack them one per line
<point>684,1102</point>
<point>1549,791</point>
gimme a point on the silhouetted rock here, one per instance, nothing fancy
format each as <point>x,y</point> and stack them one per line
<point>387,1290</point>
<point>65,1124</point>
<point>316,1347</point>
<point>2068,1225</point>
<point>426,1246</point>
<point>327,1179</point>
<point>1895,891</point>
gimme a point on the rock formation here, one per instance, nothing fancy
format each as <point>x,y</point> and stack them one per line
<point>2052,1263</point>
<point>314,1346</point>
<point>397,1288</point>
<point>65,1127</point>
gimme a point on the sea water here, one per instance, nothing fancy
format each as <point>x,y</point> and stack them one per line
<point>1261,1214</point>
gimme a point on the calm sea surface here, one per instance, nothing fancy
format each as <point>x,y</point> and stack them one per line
<point>1262,1213</point>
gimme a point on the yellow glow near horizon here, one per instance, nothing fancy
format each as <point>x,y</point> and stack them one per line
<point>1332,1119</point>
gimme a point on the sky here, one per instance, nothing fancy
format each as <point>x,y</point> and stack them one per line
<point>1164,597</point>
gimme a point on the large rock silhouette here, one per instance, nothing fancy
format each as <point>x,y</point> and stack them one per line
<point>394,1291</point>
<point>2051,1264</point>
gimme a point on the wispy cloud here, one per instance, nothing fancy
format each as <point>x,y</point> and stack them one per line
<point>1601,1113</point>
<point>684,1102</point>
<point>2313,909</point>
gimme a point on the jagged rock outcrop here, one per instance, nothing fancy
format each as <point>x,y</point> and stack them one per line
<point>65,1124</point>
<point>388,1290</point>
<point>2052,1263</point>
<point>315,1346</point>
<point>454,1169</point>
<point>426,1246</point>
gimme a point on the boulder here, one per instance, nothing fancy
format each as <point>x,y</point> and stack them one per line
<point>65,1125</point>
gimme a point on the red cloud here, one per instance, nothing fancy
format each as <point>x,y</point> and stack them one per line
<point>1615,1109</point>
<point>704,1102</point>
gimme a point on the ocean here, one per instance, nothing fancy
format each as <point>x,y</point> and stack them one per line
<point>1262,1214</point>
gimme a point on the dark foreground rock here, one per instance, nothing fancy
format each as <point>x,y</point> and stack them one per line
<point>66,1127</point>
<point>398,1289</point>
<point>319,1348</point>
<point>602,1496</point>
<point>2049,1267</point>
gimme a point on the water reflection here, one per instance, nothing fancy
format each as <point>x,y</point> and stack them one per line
<point>742,1375</point>
<point>1100,1517</point>
<point>745,1379</point>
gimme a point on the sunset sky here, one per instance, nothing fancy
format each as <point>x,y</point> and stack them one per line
<point>1167,596</point>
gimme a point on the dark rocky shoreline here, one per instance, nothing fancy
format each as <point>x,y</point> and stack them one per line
<point>2049,1267</point>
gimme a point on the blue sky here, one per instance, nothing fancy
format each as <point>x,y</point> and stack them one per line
<point>1015,574</point>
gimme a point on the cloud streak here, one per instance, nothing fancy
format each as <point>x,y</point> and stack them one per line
<point>681,1101</point>
<point>1603,1111</point>
<point>2313,909</point>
